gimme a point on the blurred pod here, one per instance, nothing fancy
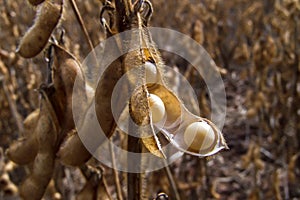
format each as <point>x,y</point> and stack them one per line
<point>66,70</point>
<point>4,180</point>
<point>24,150</point>
<point>33,188</point>
<point>35,2</point>
<point>51,191</point>
<point>8,188</point>
<point>72,152</point>
<point>103,96</point>
<point>37,36</point>
<point>88,192</point>
<point>101,105</point>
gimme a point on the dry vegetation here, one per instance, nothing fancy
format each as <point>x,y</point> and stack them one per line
<point>256,45</point>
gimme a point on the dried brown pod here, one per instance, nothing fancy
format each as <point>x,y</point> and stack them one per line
<point>47,133</point>
<point>66,70</point>
<point>102,102</point>
<point>103,95</point>
<point>73,152</point>
<point>37,36</point>
<point>24,150</point>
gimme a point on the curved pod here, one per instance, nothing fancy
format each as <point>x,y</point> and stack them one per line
<point>38,35</point>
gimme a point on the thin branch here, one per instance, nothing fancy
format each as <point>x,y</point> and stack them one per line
<point>123,8</point>
<point>86,35</point>
<point>171,180</point>
<point>133,179</point>
<point>104,184</point>
<point>116,174</point>
<point>82,26</point>
<point>12,106</point>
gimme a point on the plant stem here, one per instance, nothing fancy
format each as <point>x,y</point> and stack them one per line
<point>84,30</point>
<point>81,23</point>
<point>134,179</point>
<point>116,175</point>
<point>12,105</point>
<point>171,180</point>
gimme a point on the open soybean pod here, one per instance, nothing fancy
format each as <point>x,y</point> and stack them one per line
<point>187,132</point>
<point>37,36</point>
<point>133,65</point>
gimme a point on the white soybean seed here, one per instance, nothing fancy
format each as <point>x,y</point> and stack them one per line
<point>199,136</point>
<point>157,108</point>
<point>151,72</point>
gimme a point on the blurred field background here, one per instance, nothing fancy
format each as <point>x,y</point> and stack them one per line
<point>255,44</point>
